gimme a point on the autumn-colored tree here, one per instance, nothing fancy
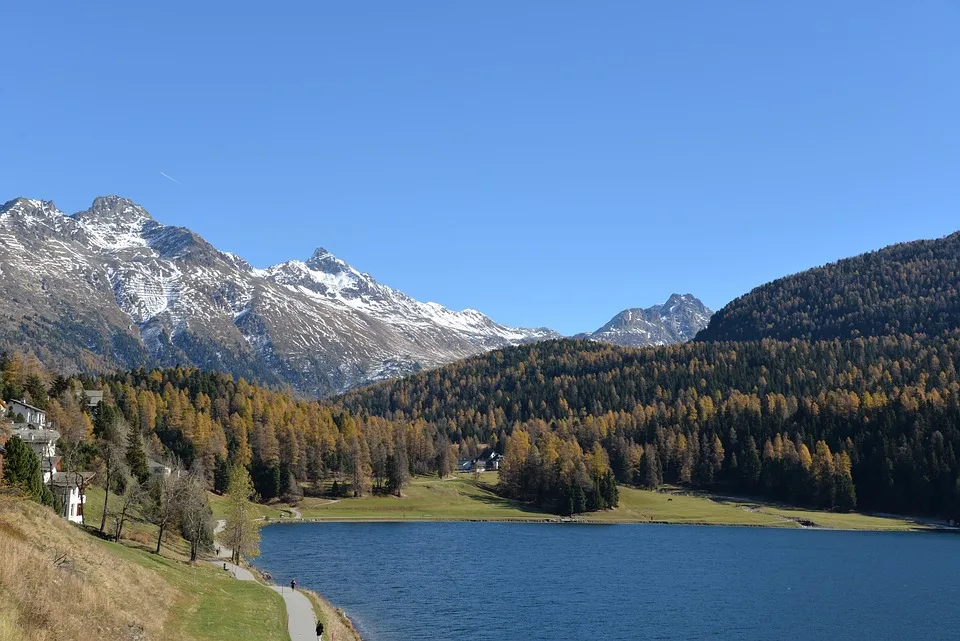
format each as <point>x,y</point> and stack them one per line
<point>241,533</point>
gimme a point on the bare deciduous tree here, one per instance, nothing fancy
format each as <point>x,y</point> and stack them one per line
<point>113,463</point>
<point>196,518</point>
<point>131,498</point>
<point>162,503</point>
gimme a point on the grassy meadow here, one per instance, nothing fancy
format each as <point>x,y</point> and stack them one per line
<point>464,498</point>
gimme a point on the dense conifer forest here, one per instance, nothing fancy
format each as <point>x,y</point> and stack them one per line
<point>908,288</point>
<point>869,422</point>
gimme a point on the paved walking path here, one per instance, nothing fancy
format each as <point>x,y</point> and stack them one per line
<point>223,552</point>
<point>239,573</point>
<point>301,622</point>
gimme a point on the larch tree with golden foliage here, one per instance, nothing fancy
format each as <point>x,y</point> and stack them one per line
<point>240,532</point>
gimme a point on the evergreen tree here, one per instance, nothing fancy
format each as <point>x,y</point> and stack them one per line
<point>399,473</point>
<point>750,466</point>
<point>21,469</point>
<point>221,475</point>
<point>135,456</point>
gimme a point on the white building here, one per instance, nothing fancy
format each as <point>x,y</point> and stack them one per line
<point>69,487</point>
<point>159,470</point>
<point>32,416</point>
<point>44,445</point>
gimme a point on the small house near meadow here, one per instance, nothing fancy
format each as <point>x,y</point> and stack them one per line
<point>488,462</point>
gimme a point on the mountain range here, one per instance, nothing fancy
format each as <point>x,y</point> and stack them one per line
<point>676,321</point>
<point>111,288</point>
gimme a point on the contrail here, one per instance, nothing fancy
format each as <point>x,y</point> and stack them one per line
<point>170,177</point>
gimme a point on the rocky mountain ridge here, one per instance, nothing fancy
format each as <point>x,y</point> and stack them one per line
<point>676,321</point>
<point>110,287</point>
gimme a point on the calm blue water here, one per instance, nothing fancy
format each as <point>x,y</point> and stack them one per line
<point>531,582</point>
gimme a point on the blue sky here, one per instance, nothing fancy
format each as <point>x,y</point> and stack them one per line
<point>549,163</point>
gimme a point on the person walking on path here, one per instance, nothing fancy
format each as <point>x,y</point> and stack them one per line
<point>319,630</point>
<point>293,584</point>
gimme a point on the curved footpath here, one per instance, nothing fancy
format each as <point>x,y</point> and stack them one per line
<point>301,621</point>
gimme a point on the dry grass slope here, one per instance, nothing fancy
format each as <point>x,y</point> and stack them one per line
<point>56,582</point>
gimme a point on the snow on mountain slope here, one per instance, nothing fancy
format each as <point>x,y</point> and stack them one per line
<point>112,287</point>
<point>676,321</point>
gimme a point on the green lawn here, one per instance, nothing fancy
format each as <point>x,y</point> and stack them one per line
<point>427,499</point>
<point>465,499</point>
<point>852,521</point>
<point>639,506</point>
<point>213,605</point>
<point>274,511</point>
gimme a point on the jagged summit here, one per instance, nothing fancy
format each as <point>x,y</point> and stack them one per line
<point>324,261</point>
<point>110,287</point>
<point>29,209</point>
<point>676,321</point>
<point>115,208</point>
<point>20,203</point>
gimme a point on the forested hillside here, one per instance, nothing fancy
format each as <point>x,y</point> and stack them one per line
<point>209,422</point>
<point>903,289</point>
<point>868,417</point>
<point>870,422</point>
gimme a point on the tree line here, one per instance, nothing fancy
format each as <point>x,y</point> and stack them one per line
<point>869,422</point>
<point>873,422</point>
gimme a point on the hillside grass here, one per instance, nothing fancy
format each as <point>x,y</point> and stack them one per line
<point>211,604</point>
<point>336,625</point>
<point>60,582</point>
<point>57,582</point>
<point>462,498</point>
<point>136,532</point>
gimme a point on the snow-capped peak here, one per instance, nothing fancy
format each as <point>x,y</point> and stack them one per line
<point>115,223</point>
<point>30,212</point>
<point>135,292</point>
<point>675,321</point>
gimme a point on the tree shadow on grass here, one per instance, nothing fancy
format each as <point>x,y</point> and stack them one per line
<point>489,496</point>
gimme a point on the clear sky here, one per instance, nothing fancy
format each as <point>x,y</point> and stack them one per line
<point>548,163</point>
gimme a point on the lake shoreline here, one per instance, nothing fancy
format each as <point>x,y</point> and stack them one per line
<point>420,582</point>
<point>785,525</point>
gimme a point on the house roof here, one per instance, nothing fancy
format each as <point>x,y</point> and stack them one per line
<point>36,436</point>
<point>28,406</point>
<point>70,479</point>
